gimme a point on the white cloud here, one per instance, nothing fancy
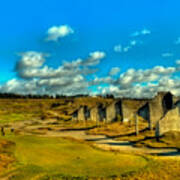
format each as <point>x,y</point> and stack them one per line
<point>97,55</point>
<point>94,58</point>
<point>75,77</point>
<point>31,59</point>
<point>56,32</point>
<point>114,71</point>
<point>37,78</point>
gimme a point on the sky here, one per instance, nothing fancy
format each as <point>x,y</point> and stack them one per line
<point>127,48</point>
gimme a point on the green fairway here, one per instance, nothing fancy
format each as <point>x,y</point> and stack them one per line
<point>55,158</point>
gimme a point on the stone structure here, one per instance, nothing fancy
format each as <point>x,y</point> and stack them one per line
<point>130,108</point>
<point>83,113</point>
<point>113,111</point>
<point>158,106</point>
<point>94,114</point>
<point>98,114</point>
<point>160,112</point>
<point>170,122</point>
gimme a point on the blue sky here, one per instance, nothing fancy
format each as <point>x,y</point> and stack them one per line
<point>97,26</point>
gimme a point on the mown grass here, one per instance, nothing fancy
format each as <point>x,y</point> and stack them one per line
<point>45,158</point>
<point>57,157</point>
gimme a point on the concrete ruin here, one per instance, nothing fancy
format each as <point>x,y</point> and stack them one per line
<point>98,114</point>
<point>83,113</point>
<point>130,107</point>
<point>113,111</point>
<point>161,112</point>
<point>170,122</point>
<point>158,106</point>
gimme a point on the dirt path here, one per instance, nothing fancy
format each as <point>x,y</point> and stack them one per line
<point>103,142</point>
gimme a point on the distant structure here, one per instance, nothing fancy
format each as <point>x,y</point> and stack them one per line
<point>161,112</point>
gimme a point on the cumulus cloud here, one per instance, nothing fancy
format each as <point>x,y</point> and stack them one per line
<point>133,76</point>
<point>138,83</point>
<point>31,65</point>
<point>75,77</point>
<point>31,59</point>
<point>36,77</point>
<point>56,32</point>
<point>70,79</point>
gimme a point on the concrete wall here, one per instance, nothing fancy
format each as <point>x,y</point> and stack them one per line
<point>130,108</point>
<point>81,114</point>
<point>176,99</point>
<point>144,112</point>
<point>94,114</point>
<point>170,122</point>
<point>152,110</point>
<point>111,113</point>
<point>157,108</point>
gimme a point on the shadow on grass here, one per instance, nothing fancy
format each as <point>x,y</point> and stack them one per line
<point>78,129</point>
<point>119,143</point>
<point>97,139</point>
<point>173,153</point>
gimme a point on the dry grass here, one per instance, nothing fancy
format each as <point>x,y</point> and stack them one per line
<point>6,154</point>
<point>118,129</point>
<point>158,170</point>
<point>170,140</point>
<point>12,110</point>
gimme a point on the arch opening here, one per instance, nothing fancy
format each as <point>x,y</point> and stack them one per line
<point>167,102</point>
